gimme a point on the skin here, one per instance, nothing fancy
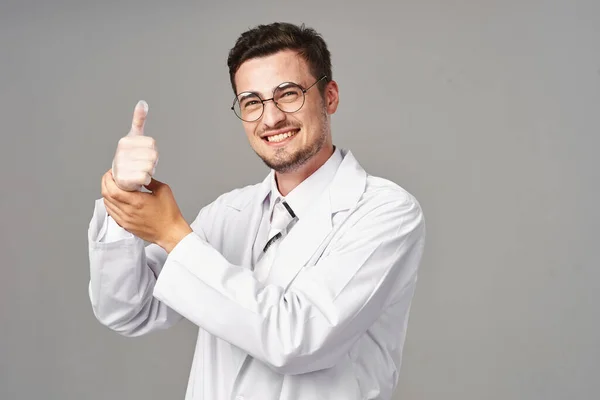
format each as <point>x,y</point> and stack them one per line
<point>156,217</point>
<point>312,146</point>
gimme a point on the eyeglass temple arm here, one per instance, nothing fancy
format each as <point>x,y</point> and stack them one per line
<point>318,80</point>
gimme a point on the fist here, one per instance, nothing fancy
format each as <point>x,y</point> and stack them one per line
<point>136,156</point>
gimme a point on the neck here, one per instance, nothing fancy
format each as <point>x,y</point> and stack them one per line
<point>286,182</point>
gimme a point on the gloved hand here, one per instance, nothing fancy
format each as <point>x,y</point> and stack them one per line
<point>136,157</point>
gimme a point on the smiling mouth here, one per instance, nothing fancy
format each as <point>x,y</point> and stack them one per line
<point>281,137</point>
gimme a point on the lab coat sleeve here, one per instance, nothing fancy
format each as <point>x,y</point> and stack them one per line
<point>123,272</point>
<point>330,305</point>
<point>111,231</point>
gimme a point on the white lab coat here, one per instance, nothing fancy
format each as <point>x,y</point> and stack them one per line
<point>330,320</point>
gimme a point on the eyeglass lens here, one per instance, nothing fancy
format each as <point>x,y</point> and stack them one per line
<point>288,98</point>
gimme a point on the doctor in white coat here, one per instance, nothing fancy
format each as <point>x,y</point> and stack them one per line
<point>301,284</point>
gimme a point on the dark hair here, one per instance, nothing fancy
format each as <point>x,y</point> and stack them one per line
<point>264,40</point>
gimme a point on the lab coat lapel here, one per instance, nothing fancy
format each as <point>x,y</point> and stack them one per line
<point>239,241</point>
<point>310,233</point>
<point>238,246</point>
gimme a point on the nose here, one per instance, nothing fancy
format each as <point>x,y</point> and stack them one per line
<point>272,115</point>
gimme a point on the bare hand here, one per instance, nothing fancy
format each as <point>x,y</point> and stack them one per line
<point>154,217</point>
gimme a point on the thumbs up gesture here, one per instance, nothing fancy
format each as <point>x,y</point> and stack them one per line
<point>136,156</point>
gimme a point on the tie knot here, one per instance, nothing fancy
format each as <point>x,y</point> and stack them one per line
<point>282,216</point>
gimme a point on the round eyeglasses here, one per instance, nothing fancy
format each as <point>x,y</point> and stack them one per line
<point>288,97</point>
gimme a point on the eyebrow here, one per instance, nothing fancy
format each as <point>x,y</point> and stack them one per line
<point>243,95</point>
<point>248,92</point>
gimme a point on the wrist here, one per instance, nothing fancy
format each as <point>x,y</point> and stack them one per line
<point>174,235</point>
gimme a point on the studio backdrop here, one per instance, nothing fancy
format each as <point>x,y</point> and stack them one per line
<point>487,111</point>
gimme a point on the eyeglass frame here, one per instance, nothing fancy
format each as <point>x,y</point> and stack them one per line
<point>273,99</point>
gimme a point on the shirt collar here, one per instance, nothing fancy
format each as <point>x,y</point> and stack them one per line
<point>301,196</point>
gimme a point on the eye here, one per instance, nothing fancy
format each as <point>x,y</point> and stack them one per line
<point>250,103</point>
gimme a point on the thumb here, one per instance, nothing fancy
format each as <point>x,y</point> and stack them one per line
<point>154,185</point>
<point>140,113</point>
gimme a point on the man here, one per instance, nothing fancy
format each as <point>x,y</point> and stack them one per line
<point>300,285</point>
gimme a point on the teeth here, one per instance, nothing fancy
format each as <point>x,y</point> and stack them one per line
<point>280,137</point>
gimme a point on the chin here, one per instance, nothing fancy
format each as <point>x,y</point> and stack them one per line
<point>283,161</point>
<point>281,165</point>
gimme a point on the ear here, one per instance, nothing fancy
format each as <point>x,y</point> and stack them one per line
<point>332,96</point>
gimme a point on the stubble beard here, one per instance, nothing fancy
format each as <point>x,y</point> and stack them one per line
<point>284,162</point>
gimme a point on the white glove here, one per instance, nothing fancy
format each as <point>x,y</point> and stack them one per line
<point>136,157</point>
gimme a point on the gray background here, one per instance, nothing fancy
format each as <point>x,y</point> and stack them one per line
<point>487,111</point>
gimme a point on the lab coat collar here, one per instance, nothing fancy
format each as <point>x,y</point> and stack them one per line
<point>242,200</point>
<point>348,184</point>
<point>343,192</point>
